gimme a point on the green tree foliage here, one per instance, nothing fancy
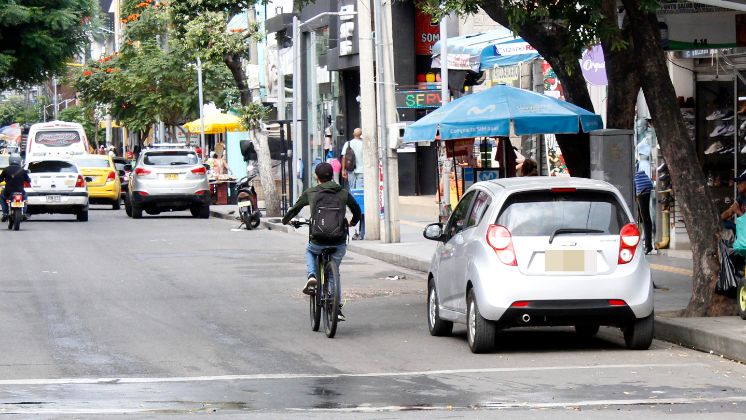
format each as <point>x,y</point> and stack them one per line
<point>152,77</point>
<point>37,37</point>
<point>15,110</point>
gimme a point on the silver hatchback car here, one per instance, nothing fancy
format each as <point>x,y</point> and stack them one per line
<point>540,251</point>
<point>168,180</point>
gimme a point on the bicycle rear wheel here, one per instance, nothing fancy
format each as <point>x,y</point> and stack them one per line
<point>330,301</point>
<point>314,304</point>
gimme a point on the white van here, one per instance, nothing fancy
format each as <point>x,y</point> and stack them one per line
<point>56,140</point>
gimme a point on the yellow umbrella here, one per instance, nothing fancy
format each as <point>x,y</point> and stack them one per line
<point>216,124</point>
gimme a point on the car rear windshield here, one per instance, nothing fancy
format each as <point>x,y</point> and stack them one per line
<point>541,213</point>
<point>92,163</point>
<point>52,166</point>
<point>166,158</point>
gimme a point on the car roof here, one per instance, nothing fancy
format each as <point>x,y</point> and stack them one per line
<point>102,157</point>
<point>168,150</point>
<point>533,183</point>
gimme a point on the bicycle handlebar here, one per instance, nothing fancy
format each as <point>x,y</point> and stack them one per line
<point>299,222</point>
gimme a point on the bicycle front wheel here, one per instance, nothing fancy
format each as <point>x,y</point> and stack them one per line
<point>330,300</point>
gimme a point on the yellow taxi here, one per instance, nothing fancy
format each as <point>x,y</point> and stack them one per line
<point>102,178</point>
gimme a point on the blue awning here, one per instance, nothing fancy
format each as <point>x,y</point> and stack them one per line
<point>483,51</point>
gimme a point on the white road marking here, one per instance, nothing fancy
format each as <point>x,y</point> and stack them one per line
<point>270,376</point>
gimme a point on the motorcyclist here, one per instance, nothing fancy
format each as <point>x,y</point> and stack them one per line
<point>14,177</point>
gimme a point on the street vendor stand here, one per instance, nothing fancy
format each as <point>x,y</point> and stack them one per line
<point>498,112</point>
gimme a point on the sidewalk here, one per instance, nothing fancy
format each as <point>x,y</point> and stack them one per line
<point>672,274</point>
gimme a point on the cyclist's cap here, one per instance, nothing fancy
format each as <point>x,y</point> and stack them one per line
<point>324,172</point>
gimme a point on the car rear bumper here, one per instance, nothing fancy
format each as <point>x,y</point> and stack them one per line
<point>567,312</point>
<point>69,203</point>
<point>104,192</point>
<point>170,200</point>
<point>500,286</point>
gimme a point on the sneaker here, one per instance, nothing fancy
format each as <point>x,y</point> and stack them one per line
<point>743,126</point>
<point>310,288</point>
<point>340,315</point>
<point>356,237</point>
<point>728,115</point>
<point>5,218</point>
<point>730,130</point>
<point>743,150</point>
<point>714,148</point>
<point>719,130</point>
<point>715,115</point>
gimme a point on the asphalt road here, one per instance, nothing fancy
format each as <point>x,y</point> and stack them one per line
<point>174,316</point>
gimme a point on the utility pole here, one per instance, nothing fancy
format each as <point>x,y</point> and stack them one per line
<point>387,117</point>
<point>201,108</point>
<point>55,100</point>
<point>280,84</point>
<point>297,143</point>
<point>368,125</point>
<point>445,98</point>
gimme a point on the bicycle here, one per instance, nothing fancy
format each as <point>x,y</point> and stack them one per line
<point>327,302</point>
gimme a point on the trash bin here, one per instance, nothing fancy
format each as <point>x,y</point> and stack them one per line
<point>359,195</point>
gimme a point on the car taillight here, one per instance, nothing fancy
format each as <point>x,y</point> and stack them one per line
<point>112,176</point>
<point>80,183</point>
<point>199,171</point>
<point>629,238</point>
<point>498,237</point>
<point>201,192</point>
<point>26,184</point>
<point>141,171</point>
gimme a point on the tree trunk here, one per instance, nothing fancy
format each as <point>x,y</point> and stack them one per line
<point>548,41</point>
<point>621,72</point>
<point>264,160</point>
<point>261,143</point>
<point>687,176</point>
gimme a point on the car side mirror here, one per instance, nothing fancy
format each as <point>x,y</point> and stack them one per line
<point>122,172</point>
<point>128,167</point>
<point>434,232</point>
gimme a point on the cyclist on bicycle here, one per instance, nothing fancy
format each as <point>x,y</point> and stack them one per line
<point>328,228</point>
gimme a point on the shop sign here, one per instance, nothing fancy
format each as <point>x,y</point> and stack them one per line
<point>506,74</point>
<point>593,66</point>
<point>426,33</point>
<point>415,99</point>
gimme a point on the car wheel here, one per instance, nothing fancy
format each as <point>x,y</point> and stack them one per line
<point>82,215</point>
<point>127,206</point>
<point>203,212</point>
<point>437,326</point>
<point>136,211</point>
<point>586,331</point>
<point>116,205</point>
<point>639,334</point>
<point>741,299</point>
<point>480,332</point>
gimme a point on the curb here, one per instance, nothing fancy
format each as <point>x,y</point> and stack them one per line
<point>674,331</point>
<point>223,216</point>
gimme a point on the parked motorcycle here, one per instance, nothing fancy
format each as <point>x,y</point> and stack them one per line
<point>248,209</point>
<point>16,205</point>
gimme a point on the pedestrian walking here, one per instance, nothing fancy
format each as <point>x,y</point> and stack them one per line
<point>336,165</point>
<point>643,187</point>
<point>352,161</point>
<point>352,171</point>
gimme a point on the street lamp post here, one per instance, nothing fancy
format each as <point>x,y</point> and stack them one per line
<point>201,110</point>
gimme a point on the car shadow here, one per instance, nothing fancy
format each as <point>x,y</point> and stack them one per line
<point>549,340</point>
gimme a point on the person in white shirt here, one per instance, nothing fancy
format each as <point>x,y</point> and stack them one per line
<point>354,175</point>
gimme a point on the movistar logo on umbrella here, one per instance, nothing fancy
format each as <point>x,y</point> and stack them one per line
<point>475,110</point>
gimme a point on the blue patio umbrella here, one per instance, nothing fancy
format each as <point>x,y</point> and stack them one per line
<point>490,113</point>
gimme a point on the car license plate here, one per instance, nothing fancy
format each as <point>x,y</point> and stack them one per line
<point>15,204</point>
<point>570,260</point>
<point>244,204</point>
<point>172,177</point>
<point>54,199</point>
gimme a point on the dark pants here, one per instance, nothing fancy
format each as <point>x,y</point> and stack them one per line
<point>643,203</point>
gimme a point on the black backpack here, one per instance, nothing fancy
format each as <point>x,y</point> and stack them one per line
<point>350,159</point>
<point>328,223</point>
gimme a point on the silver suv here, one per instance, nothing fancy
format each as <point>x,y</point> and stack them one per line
<point>168,180</point>
<point>540,251</point>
